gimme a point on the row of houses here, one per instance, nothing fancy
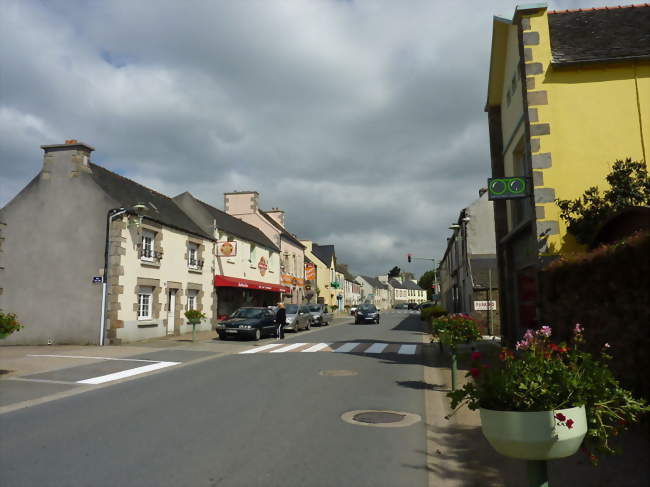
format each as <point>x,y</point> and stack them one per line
<point>89,256</point>
<point>568,94</point>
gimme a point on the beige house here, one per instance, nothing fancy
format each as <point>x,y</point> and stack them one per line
<point>245,206</point>
<point>323,258</point>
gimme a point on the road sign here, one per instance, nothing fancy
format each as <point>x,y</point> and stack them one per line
<point>508,188</point>
<point>485,305</point>
<point>97,279</point>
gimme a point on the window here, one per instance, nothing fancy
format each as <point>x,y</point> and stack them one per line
<point>192,299</point>
<point>193,256</point>
<point>145,301</point>
<point>146,251</point>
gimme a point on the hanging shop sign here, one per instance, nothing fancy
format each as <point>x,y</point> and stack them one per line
<point>226,249</point>
<point>290,280</point>
<point>310,271</point>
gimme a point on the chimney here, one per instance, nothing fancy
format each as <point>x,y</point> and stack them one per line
<point>69,159</point>
<point>278,215</point>
<point>241,202</point>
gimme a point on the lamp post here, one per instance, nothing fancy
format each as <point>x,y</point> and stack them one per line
<point>112,213</point>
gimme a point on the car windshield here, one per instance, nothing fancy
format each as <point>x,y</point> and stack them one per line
<point>314,307</point>
<point>247,313</point>
<point>367,307</point>
<point>292,309</point>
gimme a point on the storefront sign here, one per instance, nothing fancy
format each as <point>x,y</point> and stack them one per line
<point>290,280</point>
<point>226,249</point>
<point>226,281</point>
<point>310,271</point>
<point>262,265</point>
<point>485,305</point>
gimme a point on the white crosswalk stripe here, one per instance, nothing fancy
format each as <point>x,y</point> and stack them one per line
<point>260,349</point>
<point>338,347</point>
<point>376,348</point>
<point>346,347</point>
<point>317,347</point>
<point>288,347</point>
<point>407,350</point>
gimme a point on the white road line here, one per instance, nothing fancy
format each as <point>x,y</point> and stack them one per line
<point>97,358</point>
<point>288,347</point>
<point>316,348</point>
<point>346,347</point>
<point>262,348</point>
<point>407,350</point>
<point>376,348</point>
<point>127,373</point>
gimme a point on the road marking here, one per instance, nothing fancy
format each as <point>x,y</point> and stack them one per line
<point>406,350</point>
<point>376,348</point>
<point>317,347</point>
<point>346,347</point>
<point>46,381</point>
<point>96,358</point>
<point>288,347</point>
<point>127,373</point>
<point>260,349</point>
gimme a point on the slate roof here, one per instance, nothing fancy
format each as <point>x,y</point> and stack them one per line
<point>237,227</point>
<point>161,208</point>
<point>343,269</point>
<point>396,284</point>
<point>600,34</point>
<point>374,282</point>
<point>411,285</point>
<point>283,231</point>
<point>323,252</point>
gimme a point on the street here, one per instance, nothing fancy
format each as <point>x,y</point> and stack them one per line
<point>265,418</point>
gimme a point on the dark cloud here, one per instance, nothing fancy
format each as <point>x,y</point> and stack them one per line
<point>363,120</point>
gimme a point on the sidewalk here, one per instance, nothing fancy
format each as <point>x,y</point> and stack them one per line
<point>459,455</point>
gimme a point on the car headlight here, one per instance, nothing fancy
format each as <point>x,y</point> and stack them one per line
<point>247,327</point>
<point>289,321</point>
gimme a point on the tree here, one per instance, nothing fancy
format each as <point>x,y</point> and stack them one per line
<point>407,276</point>
<point>426,282</point>
<point>628,186</point>
<point>394,272</point>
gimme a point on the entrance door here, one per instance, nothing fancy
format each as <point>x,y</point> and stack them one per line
<point>171,311</point>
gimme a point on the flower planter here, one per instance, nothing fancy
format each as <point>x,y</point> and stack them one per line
<point>534,435</point>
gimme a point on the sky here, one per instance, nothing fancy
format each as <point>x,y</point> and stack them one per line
<point>362,120</point>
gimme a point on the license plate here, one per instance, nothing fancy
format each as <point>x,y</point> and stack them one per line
<point>231,331</point>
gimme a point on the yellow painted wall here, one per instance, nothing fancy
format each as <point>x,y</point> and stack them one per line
<point>593,112</point>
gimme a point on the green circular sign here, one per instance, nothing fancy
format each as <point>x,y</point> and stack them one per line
<point>517,185</point>
<point>498,187</point>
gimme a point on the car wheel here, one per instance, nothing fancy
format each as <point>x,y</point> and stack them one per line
<point>308,326</point>
<point>223,337</point>
<point>258,334</point>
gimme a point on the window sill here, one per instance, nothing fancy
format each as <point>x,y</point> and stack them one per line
<point>149,263</point>
<point>147,325</point>
<point>194,271</point>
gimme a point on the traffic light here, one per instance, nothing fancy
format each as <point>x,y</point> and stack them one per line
<point>408,256</point>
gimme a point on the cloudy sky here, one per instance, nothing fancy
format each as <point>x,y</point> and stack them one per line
<point>363,120</point>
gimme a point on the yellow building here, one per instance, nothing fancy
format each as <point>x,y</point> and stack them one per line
<point>568,94</point>
<point>323,258</point>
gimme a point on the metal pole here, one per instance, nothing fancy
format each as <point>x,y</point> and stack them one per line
<point>490,331</point>
<point>537,473</point>
<point>453,368</point>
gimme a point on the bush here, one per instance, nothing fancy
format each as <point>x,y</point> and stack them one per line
<point>431,312</point>
<point>455,329</point>
<point>194,315</point>
<point>8,324</point>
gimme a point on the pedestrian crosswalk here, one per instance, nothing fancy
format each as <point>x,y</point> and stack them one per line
<point>338,347</point>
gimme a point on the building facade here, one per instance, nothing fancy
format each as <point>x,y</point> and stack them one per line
<point>563,104</point>
<point>323,257</point>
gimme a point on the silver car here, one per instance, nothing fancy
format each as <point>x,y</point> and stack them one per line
<point>298,317</point>
<point>320,313</point>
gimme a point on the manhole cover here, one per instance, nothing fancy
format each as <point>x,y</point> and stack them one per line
<point>338,373</point>
<point>376,417</point>
<point>381,418</point>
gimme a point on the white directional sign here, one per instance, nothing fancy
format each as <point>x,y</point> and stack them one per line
<point>485,305</point>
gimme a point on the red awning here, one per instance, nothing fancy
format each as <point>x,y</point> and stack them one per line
<point>225,281</point>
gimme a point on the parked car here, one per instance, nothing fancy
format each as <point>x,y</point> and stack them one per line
<point>400,306</point>
<point>320,314</point>
<point>298,317</point>
<point>425,305</point>
<point>365,313</point>
<point>252,323</point>
<point>353,309</point>
<point>412,306</point>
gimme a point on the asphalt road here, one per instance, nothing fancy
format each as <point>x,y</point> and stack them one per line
<point>257,419</point>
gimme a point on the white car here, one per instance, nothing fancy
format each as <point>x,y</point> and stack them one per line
<point>298,317</point>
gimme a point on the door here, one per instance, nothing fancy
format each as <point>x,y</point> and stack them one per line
<point>171,311</point>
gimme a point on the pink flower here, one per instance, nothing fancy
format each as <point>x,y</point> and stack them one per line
<point>545,331</point>
<point>476,355</point>
<point>578,328</point>
<point>607,345</point>
<point>569,423</point>
<point>560,417</point>
<point>529,335</point>
<point>522,345</point>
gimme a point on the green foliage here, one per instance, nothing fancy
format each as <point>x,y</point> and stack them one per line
<point>394,272</point>
<point>194,315</point>
<point>455,329</point>
<point>431,312</point>
<point>426,282</point>
<point>629,185</point>
<point>544,376</point>
<point>8,324</point>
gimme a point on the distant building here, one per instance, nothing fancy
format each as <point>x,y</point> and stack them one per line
<point>323,257</point>
<point>567,96</point>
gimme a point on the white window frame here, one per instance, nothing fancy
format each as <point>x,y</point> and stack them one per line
<point>192,299</point>
<point>147,247</point>
<point>145,303</point>
<point>193,254</point>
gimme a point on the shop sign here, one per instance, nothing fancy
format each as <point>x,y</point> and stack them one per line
<point>310,271</point>
<point>226,249</point>
<point>290,280</point>
<point>262,265</point>
<point>485,305</point>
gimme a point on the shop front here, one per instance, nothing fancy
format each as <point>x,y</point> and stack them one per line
<point>296,291</point>
<point>233,293</point>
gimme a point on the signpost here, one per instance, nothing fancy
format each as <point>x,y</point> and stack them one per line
<point>485,305</point>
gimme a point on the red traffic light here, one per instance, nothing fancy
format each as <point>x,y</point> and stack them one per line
<point>408,257</point>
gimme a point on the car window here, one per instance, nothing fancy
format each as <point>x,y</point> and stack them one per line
<point>292,309</point>
<point>247,313</point>
<point>314,308</point>
<point>367,307</point>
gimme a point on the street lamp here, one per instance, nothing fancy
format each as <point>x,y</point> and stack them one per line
<point>112,213</point>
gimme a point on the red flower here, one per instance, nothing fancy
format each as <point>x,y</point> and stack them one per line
<point>475,371</point>
<point>569,423</point>
<point>560,417</point>
<point>476,355</point>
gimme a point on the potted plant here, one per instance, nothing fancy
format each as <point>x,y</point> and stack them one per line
<point>194,317</point>
<point>453,330</point>
<point>544,400</point>
<point>8,324</point>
